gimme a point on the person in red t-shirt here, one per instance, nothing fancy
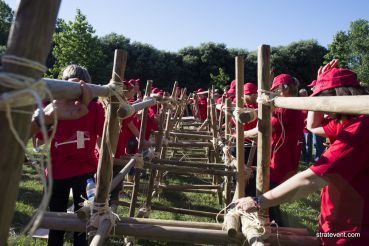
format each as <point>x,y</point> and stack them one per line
<point>342,171</point>
<point>202,105</point>
<point>287,135</point>
<point>73,152</point>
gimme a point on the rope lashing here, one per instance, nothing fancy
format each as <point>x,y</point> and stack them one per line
<point>139,160</point>
<point>26,91</point>
<point>100,212</point>
<point>244,115</point>
<point>266,97</point>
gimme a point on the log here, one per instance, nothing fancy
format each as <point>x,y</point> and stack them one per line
<point>232,224</point>
<point>118,179</point>
<point>152,231</point>
<point>335,104</point>
<point>190,135</point>
<point>108,146</point>
<point>184,187</point>
<point>240,154</point>
<point>140,149</point>
<point>186,163</point>
<point>177,210</point>
<point>264,123</point>
<point>187,170</point>
<point>203,225</point>
<point>101,234</point>
<point>227,161</point>
<point>30,37</point>
<point>189,144</point>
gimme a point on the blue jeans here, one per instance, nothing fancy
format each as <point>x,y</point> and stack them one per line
<point>318,145</point>
<point>307,148</point>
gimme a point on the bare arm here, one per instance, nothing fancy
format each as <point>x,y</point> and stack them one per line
<point>298,186</point>
<point>314,123</point>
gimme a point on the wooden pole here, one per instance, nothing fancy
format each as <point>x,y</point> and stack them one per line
<point>240,154</point>
<point>333,104</point>
<point>108,146</point>
<point>140,149</point>
<point>227,160</point>
<point>30,37</point>
<point>190,135</point>
<point>264,123</point>
<point>187,170</point>
<point>111,127</point>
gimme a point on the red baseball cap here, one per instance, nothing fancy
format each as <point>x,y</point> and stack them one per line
<point>136,81</point>
<point>282,79</point>
<point>155,90</point>
<point>336,77</point>
<point>127,83</point>
<point>249,88</point>
<point>200,90</point>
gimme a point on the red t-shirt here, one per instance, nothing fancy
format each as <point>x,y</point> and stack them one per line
<point>286,144</point>
<point>203,108</point>
<point>345,200</point>
<point>305,114</point>
<point>73,146</point>
<point>331,128</point>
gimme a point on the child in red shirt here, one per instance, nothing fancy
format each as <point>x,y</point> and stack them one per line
<point>342,171</point>
<point>73,156</point>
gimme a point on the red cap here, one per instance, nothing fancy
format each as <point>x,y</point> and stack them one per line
<point>155,90</point>
<point>136,81</point>
<point>127,83</point>
<point>231,91</point>
<point>233,84</point>
<point>200,90</point>
<point>282,79</point>
<point>336,77</point>
<point>249,88</point>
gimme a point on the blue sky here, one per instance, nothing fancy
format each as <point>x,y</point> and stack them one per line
<point>173,24</point>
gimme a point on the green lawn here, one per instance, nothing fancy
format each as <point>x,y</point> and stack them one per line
<point>303,213</point>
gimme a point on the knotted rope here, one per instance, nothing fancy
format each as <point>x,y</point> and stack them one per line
<point>26,91</point>
<point>100,212</point>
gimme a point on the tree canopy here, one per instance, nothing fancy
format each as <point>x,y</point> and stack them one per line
<point>352,48</point>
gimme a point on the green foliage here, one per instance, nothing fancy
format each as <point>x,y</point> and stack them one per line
<point>6,18</point>
<point>75,43</point>
<point>299,59</point>
<point>352,48</point>
<point>220,80</point>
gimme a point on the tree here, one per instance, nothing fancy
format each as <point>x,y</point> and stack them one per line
<point>75,43</point>
<point>220,80</point>
<point>6,18</point>
<point>352,48</point>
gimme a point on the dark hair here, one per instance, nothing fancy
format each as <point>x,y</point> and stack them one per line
<point>344,91</point>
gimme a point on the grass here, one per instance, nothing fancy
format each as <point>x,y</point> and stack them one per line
<point>302,213</point>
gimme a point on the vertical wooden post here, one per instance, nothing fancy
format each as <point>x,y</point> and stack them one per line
<point>240,154</point>
<point>108,147</point>
<point>111,127</point>
<point>140,149</point>
<point>264,122</point>
<point>227,161</point>
<point>30,37</point>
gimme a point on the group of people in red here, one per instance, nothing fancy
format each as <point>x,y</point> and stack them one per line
<point>340,173</point>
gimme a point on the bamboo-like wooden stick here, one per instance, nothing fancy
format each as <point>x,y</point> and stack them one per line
<point>101,234</point>
<point>177,233</point>
<point>108,146</point>
<point>191,164</point>
<point>264,123</point>
<point>30,37</point>
<point>201,225</point>
<point>140,149</point>
<point>227,160</point>
<point>118,179</point>
<point>177,169</point>
<point>189,144</point>
<point>240,153</point>
<point>334,104</point>
<point>190,135</point>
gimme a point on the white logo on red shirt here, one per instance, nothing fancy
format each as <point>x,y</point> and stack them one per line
<point>80,140</point>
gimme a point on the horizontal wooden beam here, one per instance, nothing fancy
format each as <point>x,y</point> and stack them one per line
<point>333,104</point>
